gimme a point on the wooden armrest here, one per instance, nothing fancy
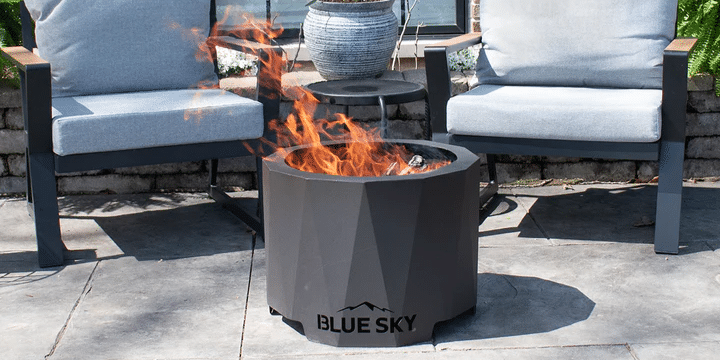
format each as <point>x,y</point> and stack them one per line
<point>458,42</point>
<point>243,45</point>
<point>682,45</point>
<point>23,58</point>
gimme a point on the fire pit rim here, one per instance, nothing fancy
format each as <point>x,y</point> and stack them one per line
<point>464,158</point>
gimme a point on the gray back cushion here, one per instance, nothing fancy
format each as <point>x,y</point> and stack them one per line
<point>111,46</point>
<point>595,43</point>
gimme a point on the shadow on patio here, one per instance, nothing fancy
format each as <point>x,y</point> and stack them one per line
<point>591,213</point>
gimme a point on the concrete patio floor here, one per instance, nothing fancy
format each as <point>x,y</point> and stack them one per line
<point>563,274</point>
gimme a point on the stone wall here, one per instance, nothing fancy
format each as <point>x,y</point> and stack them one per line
<point>407,121</point>
<point>703,130</point>
<point>189,176</point>
<point>236,173</point>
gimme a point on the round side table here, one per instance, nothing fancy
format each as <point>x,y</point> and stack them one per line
<point>369,92</point>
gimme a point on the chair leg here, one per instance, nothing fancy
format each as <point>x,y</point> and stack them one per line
<point>42,194</point>
<point>488,195</point>
<point>489,191</point>
<point>213,172</point>
<point>28,179</point>
<point>492,171</point>
<point>260,214</point>
<point>669,198</point>
<point>246,209</point>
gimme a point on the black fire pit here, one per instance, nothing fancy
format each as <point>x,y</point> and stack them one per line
<point>372,261</point>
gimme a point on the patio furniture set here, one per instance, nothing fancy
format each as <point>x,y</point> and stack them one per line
<point>119,84</point>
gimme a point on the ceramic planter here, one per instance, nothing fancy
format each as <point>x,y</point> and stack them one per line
<point>351,40</point>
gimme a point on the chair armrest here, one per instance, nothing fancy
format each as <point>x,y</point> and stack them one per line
<point>686,45</point>
<point>243,45</point>
<point>458,42</point>
<point>269,78</point>
<point>37,97</point>
<point>23,58</point>
<point>675,72</point>
<point>437,71</point>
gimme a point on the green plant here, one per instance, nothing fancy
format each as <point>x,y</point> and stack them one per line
<point>701,19</point>
<point>10,35</point>
<point>464,59</point>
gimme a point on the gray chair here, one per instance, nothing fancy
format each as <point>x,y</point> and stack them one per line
<point>124,83</point>
<point>593,79</point>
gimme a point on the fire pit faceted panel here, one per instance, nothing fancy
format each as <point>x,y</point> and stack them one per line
<point>372,261</point>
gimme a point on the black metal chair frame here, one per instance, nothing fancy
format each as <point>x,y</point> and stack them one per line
<point>43,164</point>
<point>669,150</point>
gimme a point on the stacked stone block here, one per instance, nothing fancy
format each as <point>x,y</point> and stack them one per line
<point>12,142</point>
<point>407,121</point>
<point>703,129</point>
<point>475,15</point>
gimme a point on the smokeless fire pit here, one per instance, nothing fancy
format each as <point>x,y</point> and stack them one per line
<point>372,261</point>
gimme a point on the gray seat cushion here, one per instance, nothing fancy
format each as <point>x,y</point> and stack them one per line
<point>591,43</point>
<point>97,123</point>
<point>559,113</point>
<point>97,47</point>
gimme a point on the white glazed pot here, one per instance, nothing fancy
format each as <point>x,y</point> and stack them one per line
<point>351,40</point>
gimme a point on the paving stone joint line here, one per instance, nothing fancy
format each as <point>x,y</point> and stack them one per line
<point>86,290</point>
<point>632,352</point>
<point>247,295</point>
<point>537,223</point>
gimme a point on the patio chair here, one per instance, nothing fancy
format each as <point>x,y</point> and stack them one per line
<point>122,83</point>
<point>591,79</point>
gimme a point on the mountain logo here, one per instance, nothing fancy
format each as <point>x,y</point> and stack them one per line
<point>378,322</point>
<point>369,305</point>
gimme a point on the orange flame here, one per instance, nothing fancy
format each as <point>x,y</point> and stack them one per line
<point>360,152</point>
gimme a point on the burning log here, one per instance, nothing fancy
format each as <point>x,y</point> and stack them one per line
<point>417,164</point>
<point>391,169</point>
